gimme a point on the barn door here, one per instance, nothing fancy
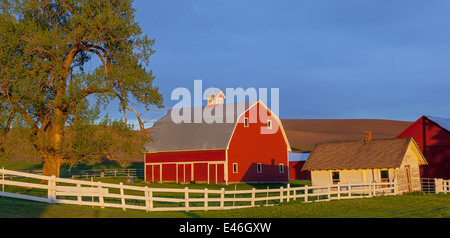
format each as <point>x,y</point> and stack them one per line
<point>408,178</point>
<point>184,172</point>
<point>212,176</point>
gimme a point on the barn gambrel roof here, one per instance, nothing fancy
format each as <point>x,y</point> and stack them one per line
<point>166,135</point>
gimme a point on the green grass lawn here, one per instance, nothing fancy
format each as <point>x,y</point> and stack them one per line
<point>410,205</point>
<point>406,206</point>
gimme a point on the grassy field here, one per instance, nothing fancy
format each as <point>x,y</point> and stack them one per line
<point>406,206</point>
<point>417,205</point>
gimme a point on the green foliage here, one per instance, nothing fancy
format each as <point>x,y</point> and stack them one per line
<point>45,88</point>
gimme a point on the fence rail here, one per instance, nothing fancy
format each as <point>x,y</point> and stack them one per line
<point>435,185</point>
<point>442,186</point>
<point>69,191</point>
<point>88,173</point>
<point>108,173</point>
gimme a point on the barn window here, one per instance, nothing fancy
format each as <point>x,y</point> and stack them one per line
<point>259,168</point>
<point>235,167</point>
<point>245,121</point>
<point>335,176</point>
<point>269,124</point>
<point>384,174</point>
<point>281,168</point>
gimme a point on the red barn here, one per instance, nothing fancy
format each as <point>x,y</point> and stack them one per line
<point>432,135</point>
<point>244,143</point>
<point>296,162</point>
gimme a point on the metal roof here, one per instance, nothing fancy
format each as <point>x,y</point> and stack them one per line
<point>293,156</point>
<point>166,135</point>
<point>444,122</point>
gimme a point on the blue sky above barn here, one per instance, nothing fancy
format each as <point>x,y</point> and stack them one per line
<point>330,59</point>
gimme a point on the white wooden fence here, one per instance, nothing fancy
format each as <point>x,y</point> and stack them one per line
<point>435,185</point>
<point>69,191</point>
<point>107,173</point>
<point>442,186</point>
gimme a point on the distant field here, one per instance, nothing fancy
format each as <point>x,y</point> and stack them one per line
<point>304,133</point>
<point>417,205</point>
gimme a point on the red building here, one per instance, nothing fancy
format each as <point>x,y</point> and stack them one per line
<point>245,143</point>
<point>432,135</point>
<point>296,162</point>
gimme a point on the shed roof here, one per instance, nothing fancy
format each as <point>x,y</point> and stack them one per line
<point>166,135</point>
<point>379,153</point>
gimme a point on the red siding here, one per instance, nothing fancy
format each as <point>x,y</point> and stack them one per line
<point>248,147</point>
<point>434,142</point>
<point>180,166</point>
<point>296,173</point>
<point>185,156</point>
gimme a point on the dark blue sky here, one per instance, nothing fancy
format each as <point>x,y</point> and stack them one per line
<point>330,59</point>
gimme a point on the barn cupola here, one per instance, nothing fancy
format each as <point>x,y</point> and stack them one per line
<point>215,98</point>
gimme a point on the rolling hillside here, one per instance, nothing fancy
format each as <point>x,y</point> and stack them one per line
<point>303,134</point>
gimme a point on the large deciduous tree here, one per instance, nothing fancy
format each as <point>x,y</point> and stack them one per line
<point>61,61</point>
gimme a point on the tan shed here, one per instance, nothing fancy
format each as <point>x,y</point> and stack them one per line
<point>366,161</point>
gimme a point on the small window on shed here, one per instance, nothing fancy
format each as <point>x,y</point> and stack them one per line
<point>384,174</point>
<point>335,176</point>
<point>245,121</point>
<point>269,124</point>
<point>259,168</point>
<point>235,167</point>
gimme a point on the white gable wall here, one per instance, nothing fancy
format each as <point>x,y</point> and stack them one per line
<point>324,177</point>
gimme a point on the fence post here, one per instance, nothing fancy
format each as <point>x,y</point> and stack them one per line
<point>447,186</point>
<point>205,203</point>
<point>186,199</point>
<point>329,192</point>
<point>281,194</point>
<point>3,179</point>
<point>339,190</point>
<point>52,189</point>
<point>100,196</point>
<point>438,188</point>
<point>149,198</point>
<point>349,189</point>
<point>79,196</point>
<point>122,196</point>
<point>288,192</point>
<point>253,197</point>
<point>147,202</point>
<point>306,193</point>
<point>222,198</point>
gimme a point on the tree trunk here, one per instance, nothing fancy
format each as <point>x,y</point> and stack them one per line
<point>52,165</point>
<point>51,153</point>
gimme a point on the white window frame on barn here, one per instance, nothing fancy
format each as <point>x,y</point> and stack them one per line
<point>245,121</point>
<point>235,168</point>
<point>259,168</point>
<point>281,168</point>
<point>269,124</point>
